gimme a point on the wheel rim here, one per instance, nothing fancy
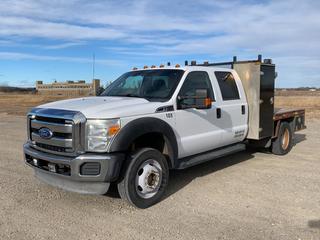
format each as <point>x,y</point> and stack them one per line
<point>148,178</point>
<point>285,139</point>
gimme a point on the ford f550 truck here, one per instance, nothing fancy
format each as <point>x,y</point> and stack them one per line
<point>154,119</point>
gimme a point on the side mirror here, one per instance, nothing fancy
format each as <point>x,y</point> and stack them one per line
<point>199,101</point>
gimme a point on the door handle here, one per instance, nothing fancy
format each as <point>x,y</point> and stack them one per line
<point>243,109</point>
<point>218,112</point>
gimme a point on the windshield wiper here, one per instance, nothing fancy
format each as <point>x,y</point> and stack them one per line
<point>123,95</point>
<point>131,95</point>
<point>148,96</point>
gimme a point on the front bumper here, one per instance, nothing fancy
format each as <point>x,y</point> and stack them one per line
<point>86,173</point>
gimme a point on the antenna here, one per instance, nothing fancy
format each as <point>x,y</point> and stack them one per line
<point>93,64</point>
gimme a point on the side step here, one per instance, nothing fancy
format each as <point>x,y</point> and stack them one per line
<point>207,156</point>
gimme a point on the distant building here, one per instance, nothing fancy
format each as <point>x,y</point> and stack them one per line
<point>69,88</point>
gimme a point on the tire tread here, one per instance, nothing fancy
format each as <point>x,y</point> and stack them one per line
<point>276,147</point>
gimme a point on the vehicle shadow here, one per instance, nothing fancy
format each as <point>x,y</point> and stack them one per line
<point>314,224</point>
<point>299,137</point>
<point>181,178</point>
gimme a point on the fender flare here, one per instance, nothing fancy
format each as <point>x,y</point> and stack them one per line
<point>141,126</point>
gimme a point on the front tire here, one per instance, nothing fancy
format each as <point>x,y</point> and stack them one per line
<point>284,142</point>
<point>145,178</point>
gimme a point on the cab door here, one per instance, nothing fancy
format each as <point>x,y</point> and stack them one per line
<point>233,117</point>
<point>196,128</point>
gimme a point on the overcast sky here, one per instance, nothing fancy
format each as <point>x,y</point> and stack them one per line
<point>55,39</point>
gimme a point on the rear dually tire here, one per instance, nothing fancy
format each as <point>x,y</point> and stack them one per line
<point>284,142</point>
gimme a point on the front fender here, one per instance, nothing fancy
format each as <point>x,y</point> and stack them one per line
<point>141,126</point>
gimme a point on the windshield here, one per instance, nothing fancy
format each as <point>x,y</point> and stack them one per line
<point>153,85</point>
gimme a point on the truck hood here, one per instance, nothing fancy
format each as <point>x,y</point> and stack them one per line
<point>106,107</point>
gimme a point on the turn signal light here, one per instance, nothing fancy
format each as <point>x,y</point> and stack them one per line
<point>113,129</point>
<point>207,102</point>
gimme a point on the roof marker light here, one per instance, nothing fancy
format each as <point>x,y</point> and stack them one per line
<point>153,66</point>
<point>161,66</point>
<point>135,68</point>
<point>145,67</point>
<point>177,65</point>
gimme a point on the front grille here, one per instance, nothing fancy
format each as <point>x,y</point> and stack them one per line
<point>50,119</point>
<point>65,133</point>
<point>51,148</point>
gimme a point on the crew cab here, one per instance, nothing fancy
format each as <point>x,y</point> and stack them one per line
<point>154,119</point>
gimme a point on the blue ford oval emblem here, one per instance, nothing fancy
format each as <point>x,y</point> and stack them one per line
<point>45,133</point>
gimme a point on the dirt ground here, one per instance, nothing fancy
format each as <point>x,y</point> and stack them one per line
<point>250,195</point>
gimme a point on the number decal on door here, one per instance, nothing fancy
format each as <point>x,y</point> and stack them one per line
<point>169,115</point>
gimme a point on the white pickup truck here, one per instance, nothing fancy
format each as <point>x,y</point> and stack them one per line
<point>154,119</point>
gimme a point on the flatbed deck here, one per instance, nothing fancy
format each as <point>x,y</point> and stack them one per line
<point>283,113</point>
<point>295,114</point>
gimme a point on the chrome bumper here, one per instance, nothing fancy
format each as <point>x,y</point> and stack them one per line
<point>67,172</point>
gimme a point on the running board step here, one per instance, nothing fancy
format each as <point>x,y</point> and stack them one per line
<point>204,157</point>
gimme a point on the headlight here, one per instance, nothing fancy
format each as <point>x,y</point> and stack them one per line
<point>99,133</point>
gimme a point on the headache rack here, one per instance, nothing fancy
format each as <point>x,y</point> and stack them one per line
<point>230,63</point>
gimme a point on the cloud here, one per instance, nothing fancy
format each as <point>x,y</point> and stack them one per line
<point>63,45</point>
<point>288,31</point>
<point>5,42</point>
<point>21,44</point>
<point>175,28</point>
<point>25,56</point>
<point>26,27</point>
<point>4,83</point>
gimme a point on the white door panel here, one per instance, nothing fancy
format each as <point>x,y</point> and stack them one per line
<point>234,123</point>
<point>197,131</point>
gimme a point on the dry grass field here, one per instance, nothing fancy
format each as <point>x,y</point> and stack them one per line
<point>300,99</point>
<point>20,104</point>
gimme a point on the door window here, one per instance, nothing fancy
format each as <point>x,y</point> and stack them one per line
<point>227,85</point>
<point>196,80</point>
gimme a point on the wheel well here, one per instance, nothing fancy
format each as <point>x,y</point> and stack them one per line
<point>153,140</point>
